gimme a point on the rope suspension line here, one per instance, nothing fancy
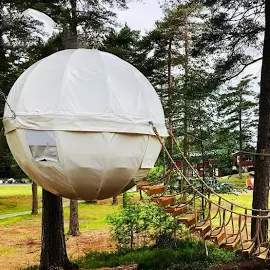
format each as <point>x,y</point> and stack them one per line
<point>209,188</point>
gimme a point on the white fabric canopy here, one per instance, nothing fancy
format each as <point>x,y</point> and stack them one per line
<point>77,123</point>
<point>84,90</point>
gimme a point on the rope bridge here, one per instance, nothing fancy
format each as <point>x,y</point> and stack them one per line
<point>205,212</point>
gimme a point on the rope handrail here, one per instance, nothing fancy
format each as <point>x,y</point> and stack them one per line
<point>202,181</point>
<point>202,195</point>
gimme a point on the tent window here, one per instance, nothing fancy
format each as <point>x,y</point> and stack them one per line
<point>42,145</point>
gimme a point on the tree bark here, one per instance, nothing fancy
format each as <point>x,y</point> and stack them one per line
<point>114,200</point>
<point>240,135</point>
<point>262,169</point>
<point>73,25</point>
<point>53,250</point>
<point>34,199</point>
<point>186,105</point>
<point>73,219</point>
<point>170,94</point>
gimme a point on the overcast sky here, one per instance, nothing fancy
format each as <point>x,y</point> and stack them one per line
<point>141,16</point>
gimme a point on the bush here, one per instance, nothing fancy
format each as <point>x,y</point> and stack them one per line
<point>187,254</point>
<point>141,224</point>
<point>155,173</point>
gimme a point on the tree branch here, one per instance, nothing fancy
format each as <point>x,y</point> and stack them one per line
<point>243,68</point>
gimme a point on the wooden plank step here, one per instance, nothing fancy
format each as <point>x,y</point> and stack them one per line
<point>180,210</point>
<point>217,235</point>
<point>144,188</point>
<point>171,208</point>
<point>231,243</point>
<point>189,219</point>
<point>164,200</point>
<point>155,190</point>
<point>247,248</point>
<point>143,183</point>
<point>203,227</point>
<point>261,253</point>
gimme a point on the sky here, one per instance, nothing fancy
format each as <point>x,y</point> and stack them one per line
<point>141,15</point>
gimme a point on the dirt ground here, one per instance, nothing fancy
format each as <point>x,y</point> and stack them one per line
<point>23,251</point>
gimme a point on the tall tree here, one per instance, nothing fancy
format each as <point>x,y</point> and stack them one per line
<point>234,35</point>
<point>15,35</point>
<point>237,109</point>
<point>261,183</point>
<point>34,199</point>
<point>53,246</point>
<point>93,18</point>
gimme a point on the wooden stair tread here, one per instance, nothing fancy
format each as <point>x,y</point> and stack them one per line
<point>164,200</point>
<point>171,208</point>
<point>179,210</point>
<point>247,247</point>
<point>144,188</point>
<point>231,243</point>
<point>262,253</point>
<point>143,183</point>
<point>152,190</point>
<point>189,219</point>
<point>202,227</point>
<point>217,235</point>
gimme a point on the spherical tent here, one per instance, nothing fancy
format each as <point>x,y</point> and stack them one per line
<point>77,123</point>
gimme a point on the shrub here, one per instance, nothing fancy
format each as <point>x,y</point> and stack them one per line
<point>142,224</point>
<point>187,254</point>
<point>155,173</point>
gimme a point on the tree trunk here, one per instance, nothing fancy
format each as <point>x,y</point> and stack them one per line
<point>186,105</point>
<point>73,25</point>
<point>53,250</point>
<point>73,219</point>
<point>240,136</point>
<point>262,169</point>
<point>34,199</point>
<point>170,95</point>
<point>114,200</point>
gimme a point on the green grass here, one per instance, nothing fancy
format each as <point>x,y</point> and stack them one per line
<point>93,216</point>
<point>14,199</point>
<point>186,255</point>
<point>235,180</point>
<point>23,220</point>
<point>23,190</point>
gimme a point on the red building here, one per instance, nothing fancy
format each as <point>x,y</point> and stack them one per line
<point>208,166</point>
<point>248,161</point>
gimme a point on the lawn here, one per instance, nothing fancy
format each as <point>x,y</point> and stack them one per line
<point>21,235</point>
<point>15,199</point>
<point>235,180</point>
<point>187,254</point>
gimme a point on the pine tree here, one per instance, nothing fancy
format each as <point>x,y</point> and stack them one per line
<point>237,108</point>
<point>15,35</point>
<point>233,34</point>
<point>53,246</point>
<point>95,19</point>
